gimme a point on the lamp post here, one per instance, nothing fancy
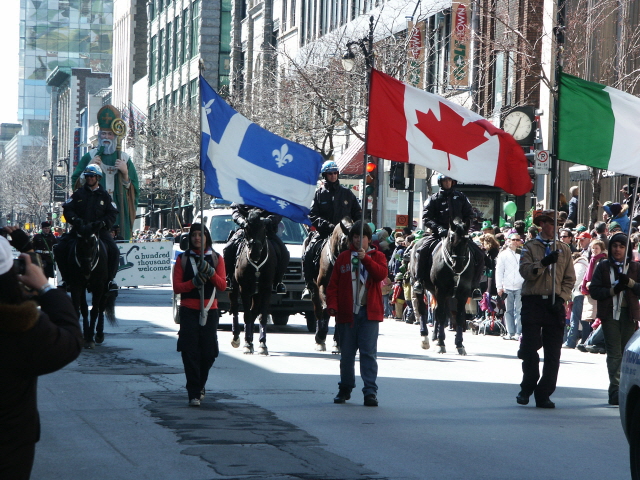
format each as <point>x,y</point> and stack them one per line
<point>348,62</point>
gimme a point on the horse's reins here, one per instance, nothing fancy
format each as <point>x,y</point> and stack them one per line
<point>450,261</point>
<point>97,257</point>
<point>266,257</point>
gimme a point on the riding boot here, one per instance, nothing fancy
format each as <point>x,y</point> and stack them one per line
<point>229,254</point>
<point>282,264</point>
<point>308,266</point>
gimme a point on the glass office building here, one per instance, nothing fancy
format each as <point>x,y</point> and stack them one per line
<point>58,33</point>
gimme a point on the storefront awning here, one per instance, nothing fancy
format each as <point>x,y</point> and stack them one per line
<point>350,162</point>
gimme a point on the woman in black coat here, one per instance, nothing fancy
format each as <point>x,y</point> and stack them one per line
<point>32,343</point>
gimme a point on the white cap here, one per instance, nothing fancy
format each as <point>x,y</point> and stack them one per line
<point>6,256</point>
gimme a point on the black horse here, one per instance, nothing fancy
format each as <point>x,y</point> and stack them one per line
<point>330,248</point>
<point>451,281</point>
<point>253,280</point>
<point>87,269</point>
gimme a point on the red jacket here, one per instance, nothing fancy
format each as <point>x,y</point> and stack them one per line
<point>340,289</point>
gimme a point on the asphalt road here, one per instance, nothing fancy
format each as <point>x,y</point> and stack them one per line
<point>120,411</point>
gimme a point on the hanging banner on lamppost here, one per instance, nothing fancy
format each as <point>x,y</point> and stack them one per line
<point>59,188</point>
<point>460,44</point>
<point>415,54</point>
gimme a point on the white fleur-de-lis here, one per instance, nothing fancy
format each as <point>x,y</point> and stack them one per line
<point>281,203</point>
<point>207,107</point>
<point>281,156</point>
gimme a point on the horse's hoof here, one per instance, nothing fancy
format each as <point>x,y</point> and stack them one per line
<point>321,347</point>
<point>90,345</point>
<point>442,349</point>
<point>235,343</point>
<point>262,349</point>
<point>248,349</point>
<point>425,342</point>
<point>335,349</point>
<point>99,338</point>
<point>462,351</point>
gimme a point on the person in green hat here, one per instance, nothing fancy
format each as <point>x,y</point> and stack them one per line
<point>120,178</point>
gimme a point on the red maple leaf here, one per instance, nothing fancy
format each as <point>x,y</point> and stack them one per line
<point>448,134</point>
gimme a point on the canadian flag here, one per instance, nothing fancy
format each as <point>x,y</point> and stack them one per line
<point>410,125</point>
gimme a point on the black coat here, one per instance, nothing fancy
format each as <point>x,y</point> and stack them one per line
<point>442,207</point>
<point>32,343</point>
<point>241,211</point>
<point>331,203</point>
<point>43,243</point>
<point>91,206</point>
<point>600,290</point>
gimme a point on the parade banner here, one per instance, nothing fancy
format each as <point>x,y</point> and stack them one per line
<point>415,54</point>
<point>144,263</point>
<point>460,44</point>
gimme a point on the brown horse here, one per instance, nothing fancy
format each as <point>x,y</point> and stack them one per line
<point>330,247</point>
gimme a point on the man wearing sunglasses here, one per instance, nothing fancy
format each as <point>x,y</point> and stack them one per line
<point>90,204</point>
<point>566,236</point>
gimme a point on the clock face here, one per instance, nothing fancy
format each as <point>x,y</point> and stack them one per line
<point>518,124</point>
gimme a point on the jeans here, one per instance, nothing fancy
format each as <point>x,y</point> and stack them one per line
<point>576,315</point>
<point>360,335</point>
<point>512,313</point>
<point>388,313</point>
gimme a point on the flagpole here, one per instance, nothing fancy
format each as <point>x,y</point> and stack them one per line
<point>368,55</point>
<point>559,37</point>
<point>203,242</point>
<point>616,313</point>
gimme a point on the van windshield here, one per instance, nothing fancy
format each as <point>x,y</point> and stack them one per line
<point>288,230</point>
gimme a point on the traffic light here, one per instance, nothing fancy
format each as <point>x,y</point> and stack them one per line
<point>371,176</point>
<point>396,177</point>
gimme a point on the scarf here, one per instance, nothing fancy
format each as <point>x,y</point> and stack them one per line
<point>358,272</point>
<point>589,275</point>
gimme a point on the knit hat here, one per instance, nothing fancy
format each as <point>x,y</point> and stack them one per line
<point>615,208</point>
<point>617,238</point>
<point>398,277</point>
<point>6,256</point>
<point>614,226</point>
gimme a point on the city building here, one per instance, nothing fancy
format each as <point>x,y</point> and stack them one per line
<point>57,34</point>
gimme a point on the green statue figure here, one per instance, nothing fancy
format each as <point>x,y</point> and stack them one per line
<point>120,178</point>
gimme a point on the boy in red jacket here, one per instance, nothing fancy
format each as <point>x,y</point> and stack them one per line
<point>358,322</point>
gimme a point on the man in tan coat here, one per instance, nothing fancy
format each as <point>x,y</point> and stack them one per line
<point>543,313</point>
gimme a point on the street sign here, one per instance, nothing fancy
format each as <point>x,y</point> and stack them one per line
<point>543,163</point>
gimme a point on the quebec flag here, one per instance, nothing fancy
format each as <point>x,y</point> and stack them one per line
<point>245,163</point>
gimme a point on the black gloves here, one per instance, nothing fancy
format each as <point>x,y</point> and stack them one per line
<point>551,258</point>
<point>206,270</point>
<point>20,241</point>
<point>442,232</point>
<point>619,287</point>
<point>242,222</point>
<point>77,222</point>
<point>558,308</point>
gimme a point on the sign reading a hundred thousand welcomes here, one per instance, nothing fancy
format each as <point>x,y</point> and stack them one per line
<point>144,263</point>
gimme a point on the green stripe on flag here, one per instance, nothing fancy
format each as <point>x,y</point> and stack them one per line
<point>585,122</point>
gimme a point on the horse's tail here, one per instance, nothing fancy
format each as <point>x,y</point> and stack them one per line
<point>110,310</point>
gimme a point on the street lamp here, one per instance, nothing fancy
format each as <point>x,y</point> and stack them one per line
<point>348,62</point>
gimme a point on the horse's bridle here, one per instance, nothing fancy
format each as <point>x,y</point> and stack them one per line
<point>97,254</point>
<point>266,257</point>
<point>450,261</point>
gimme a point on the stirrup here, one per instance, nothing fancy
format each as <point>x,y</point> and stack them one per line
<point>306,294</point>
<point>476,294</point>
<point>417,288</point>
<point>281,289</point>
<point>113,286</point>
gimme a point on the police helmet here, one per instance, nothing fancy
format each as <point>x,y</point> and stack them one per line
<point>329,167</point>
<point>93,170</point>
<point>442,177</point>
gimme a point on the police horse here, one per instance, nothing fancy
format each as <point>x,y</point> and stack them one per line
<point>329,249</point>
<point>87,270</point>
<point>252,280</point>
<point>450,281</point>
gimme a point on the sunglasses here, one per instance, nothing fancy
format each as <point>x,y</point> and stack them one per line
<point>565,236</point>
<point>89,176</point>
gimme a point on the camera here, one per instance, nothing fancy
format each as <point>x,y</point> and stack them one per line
<point>20,265</point>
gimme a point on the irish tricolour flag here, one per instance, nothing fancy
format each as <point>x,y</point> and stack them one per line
<point>598,126</point>
<point>410,125</point>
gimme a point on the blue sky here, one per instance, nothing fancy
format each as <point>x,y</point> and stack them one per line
<point>9,31</point>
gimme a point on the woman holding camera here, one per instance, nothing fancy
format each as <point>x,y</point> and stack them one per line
<point>32,343</point>
<point>198,338</point>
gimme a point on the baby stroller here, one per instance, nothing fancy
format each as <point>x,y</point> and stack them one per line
<point>492,322</point>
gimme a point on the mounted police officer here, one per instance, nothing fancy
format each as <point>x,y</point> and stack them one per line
<point>272,220</point>
<point>331,203</point>
<point>43,244</point>
<point>439,211</point>
<point>90,204</point>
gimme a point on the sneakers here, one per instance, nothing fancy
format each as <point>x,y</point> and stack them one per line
<point>613,399</point>
<point>306,294</point>
<point>194,402</point>
<point>342,396</point>
<point>417,288</point>
<point>546,403</point>
<point>202,394</point>
<point>522,398</point>
<point>370,400</point>
<point>281,289</point>
<point>582,347</point>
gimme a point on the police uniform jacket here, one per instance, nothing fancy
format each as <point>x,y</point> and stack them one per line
<point>91,206</point>
<point>43,243</point>
<point>442,207</point>
<point>331,203</point>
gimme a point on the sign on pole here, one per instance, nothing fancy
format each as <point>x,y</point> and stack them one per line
<point>543,162</point>
<point>144,263</point>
